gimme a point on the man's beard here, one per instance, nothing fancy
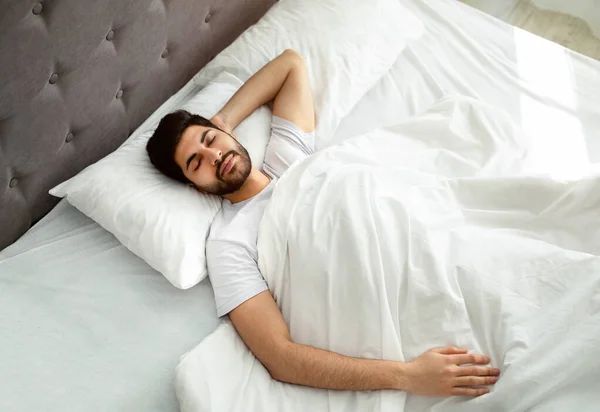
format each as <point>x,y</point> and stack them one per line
<point>236,177</point>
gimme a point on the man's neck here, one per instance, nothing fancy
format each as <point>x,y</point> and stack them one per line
<point>253,185</point>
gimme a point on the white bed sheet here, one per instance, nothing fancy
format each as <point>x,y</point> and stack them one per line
<point>89,326</point>
<point>548,90</point>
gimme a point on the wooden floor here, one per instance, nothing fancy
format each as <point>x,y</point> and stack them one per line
<point>564,29</point>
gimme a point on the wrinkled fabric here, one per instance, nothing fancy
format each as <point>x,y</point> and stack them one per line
<point>429,233</point>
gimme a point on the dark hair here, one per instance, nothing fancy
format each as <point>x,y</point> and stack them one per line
<point>164,140</point>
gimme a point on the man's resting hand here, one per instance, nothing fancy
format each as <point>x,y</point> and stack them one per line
<point>438,372</point>
<point>219,121</point>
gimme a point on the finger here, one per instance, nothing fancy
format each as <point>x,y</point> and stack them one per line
<point>472,358</point>
<point>450,350</point>
<point>477,371</point>
<point>475,380</point>
<point>459,391</point>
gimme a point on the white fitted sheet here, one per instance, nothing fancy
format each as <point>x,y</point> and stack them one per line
<point>87,325</point>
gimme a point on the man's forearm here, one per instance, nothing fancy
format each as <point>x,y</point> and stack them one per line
<point>441,371</point>
<point>309,366</point>
<point>260,89</point>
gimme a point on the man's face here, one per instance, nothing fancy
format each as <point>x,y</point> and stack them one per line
<point>213,160</point>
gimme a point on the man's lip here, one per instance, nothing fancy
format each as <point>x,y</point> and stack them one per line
<point>226,166</point>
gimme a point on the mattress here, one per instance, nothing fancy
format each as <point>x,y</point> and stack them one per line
<point>89,326</point>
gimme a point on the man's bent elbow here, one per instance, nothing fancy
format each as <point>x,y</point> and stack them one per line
<point>278,364</point>
<point>294,56</point>
<point>277,372</point>
<point>276,375</point>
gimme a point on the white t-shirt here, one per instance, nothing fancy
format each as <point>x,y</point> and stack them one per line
<point>231,251</point>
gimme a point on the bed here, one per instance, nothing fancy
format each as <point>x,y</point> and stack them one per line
<point>87,325</point>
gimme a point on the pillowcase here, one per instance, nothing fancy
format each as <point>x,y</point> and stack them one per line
<point>348,46</point>
<point>164,222</point>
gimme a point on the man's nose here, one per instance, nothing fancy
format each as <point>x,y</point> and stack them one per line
<point>213,155</point>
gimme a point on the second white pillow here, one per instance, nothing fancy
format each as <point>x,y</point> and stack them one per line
<point>347,44</point>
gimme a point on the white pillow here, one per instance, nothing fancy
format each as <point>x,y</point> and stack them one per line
<point>347,44</point>
<point>162,221</point>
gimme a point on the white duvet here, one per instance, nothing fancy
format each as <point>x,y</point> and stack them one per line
<point>424,234</point>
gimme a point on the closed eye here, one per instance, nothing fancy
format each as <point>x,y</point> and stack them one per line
<point>202,141</point>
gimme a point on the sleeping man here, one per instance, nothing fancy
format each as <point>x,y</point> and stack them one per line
<point>203,153</point>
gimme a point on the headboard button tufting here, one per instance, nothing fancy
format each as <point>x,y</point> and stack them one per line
<point>37,9</point>
<point>119,94</point>
<point>165,53</point>
<point>208,17</point>
<point>110,35</point>
<point>53,78</point>
<point>69,138</point>
<point>13,182</point>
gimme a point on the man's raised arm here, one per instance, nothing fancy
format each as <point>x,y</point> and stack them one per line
<point>437,372</point>
<point>284,82</point>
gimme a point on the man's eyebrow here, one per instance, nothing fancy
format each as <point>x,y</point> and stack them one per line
<point>204,135</point>
<point>187,164</point>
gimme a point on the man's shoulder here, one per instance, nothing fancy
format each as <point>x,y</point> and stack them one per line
<point>226,224</point>
<point>227,246</point>
<point>288,143</point>
<point>231,249</point>
<point>232,237</point>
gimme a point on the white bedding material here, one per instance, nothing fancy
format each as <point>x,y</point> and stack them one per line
<point>549,91</point>
<point>420,236</point>
<point>88,326</point>
<point>347,46</point>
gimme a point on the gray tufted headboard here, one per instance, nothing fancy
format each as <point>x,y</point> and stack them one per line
<point>77,77</point>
